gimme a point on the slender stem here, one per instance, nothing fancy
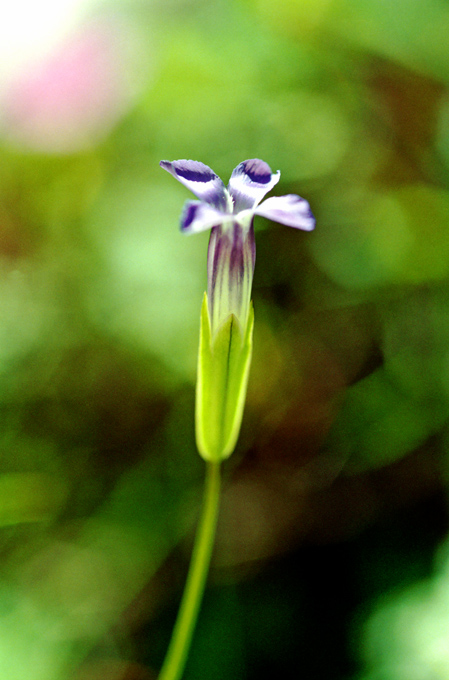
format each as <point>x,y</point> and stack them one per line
<point>175,659</point>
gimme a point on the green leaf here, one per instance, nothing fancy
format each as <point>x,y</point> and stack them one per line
<point>223,369</point>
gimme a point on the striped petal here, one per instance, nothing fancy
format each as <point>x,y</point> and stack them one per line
<point>249,183</point>
<point>291,210</point>
<point>201,180</point>
<point>199,216</point>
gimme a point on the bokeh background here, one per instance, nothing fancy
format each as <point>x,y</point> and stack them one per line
<point>332,556</point>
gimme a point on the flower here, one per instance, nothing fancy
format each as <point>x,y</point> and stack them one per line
<point>227,318</point>
<point>229,213</point>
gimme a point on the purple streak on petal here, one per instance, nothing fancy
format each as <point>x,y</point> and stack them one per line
<point>249,183</point>
<point>201,180</point>
<point>231,259</point>
<point>193,171</point>
<point>258,171</point>
<point>291,210</point>
<point>198,216</point>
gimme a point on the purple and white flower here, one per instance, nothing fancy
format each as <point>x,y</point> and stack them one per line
<point>229,212</point>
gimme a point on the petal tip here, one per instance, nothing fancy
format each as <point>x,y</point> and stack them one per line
<point>291,210</point>
<point>193,171</point>
<point>249,183</point>
<point>200,179</point>
<point>257,170</point>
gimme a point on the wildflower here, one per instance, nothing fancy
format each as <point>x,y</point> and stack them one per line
<point>227,317</point>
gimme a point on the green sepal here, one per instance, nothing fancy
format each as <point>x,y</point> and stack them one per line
<point>223,369</point>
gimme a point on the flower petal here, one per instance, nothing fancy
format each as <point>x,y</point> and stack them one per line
<point>199,216</point>
<point>249,183</point>
<point>201,180</point>
<point>291,210</point>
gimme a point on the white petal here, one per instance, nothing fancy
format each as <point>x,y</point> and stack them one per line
<point>249,183</point>
<point>201,180</point>
<point>198,216</point>
<point>291,210</point>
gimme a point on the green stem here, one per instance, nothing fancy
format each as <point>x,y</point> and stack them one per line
<point>178,649</point>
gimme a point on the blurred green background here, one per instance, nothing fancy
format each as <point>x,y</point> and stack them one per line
<point>332,555</point>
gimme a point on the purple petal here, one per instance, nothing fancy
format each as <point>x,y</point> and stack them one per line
<point>291,210</point>
<point>249,183</point>
<point>199,216</point>
<point>201,180</point>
